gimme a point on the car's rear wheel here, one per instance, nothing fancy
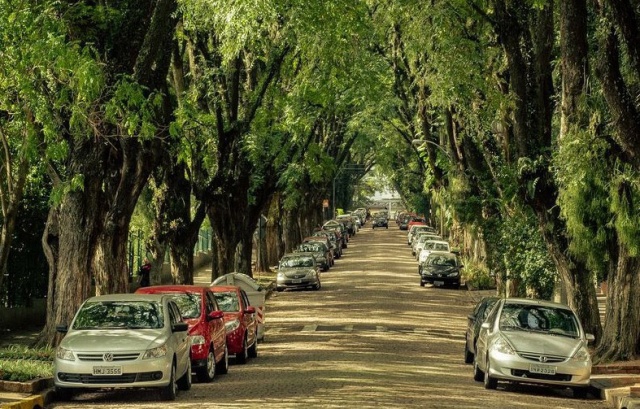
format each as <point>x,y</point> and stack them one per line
<point>478,375</point>
<point>468,356</point>
<point>489,382</point>
<point>241,357</point>
<point>207,373</point>
<point>253,350</point>
<point>170,391</point>
<point>184,383</point>
<point>222,367</point>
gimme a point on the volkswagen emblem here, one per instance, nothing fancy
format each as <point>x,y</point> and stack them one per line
<point>542,358</point>
<point>108,357</point>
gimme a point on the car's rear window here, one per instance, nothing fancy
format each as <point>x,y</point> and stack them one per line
<point>119,314</point>
<point>190,304</point>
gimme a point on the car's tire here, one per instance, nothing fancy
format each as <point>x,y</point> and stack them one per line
<point>478,375</point>
<point>253,350</point>
<point>170,391</point>
<point>468,355</point>
<point>278,289</point>
<point>64,394</point>
<point>184,383</point>
<point>222,367</point>
<point>580,392</point>
<point>489,382</point>
<point>241,358</point>
<point>422,283</point>
<point>207,373</point>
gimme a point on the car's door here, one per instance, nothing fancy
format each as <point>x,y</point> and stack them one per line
<point>485,335</point>
<point>180,340</point>
<point>249,319</point>
<point>218,333</point>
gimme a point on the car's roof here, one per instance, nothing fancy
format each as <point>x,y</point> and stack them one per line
<point>225,288</point>
<point>127,297</point>
<point>296,255</point>
<point>438,241</point>
<point>442,253</point>
<point>163,289</point>
<point>531,301</point>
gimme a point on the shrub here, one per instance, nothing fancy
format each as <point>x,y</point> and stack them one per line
<point>20,363</point>
<point>477,277</point>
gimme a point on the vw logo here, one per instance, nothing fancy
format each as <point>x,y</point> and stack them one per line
<point>108,357</point>
<point>542,359</point>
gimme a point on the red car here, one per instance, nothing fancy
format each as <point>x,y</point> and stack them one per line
<point>240,320</point>
<point>199,309</point>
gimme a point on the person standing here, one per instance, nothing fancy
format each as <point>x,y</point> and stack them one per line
<point>144,274</point>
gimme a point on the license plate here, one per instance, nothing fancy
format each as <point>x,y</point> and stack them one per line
<point>107,370</point>
<point>543,369</point>
<point>438,283</point>
<point>296,281</point>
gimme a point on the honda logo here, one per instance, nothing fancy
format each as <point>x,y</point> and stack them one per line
<point>542,359</point>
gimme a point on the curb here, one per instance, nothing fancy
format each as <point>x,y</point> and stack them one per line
<point>32,402</point>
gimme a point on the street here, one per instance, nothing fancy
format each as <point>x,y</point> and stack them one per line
<point>371,337</point>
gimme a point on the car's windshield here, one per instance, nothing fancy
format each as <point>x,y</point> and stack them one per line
<point>297,262</point>
<point>548,319</point>
<point>311,247</point>
<point>438,260</point>
<point>119,314</point>
<point>189,304</point>
<point>227,301</point>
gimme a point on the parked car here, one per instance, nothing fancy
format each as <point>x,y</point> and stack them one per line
<point>419,239</point>
<point>124,341</point>
<point>533,341</point>
<point>240,321</point>
<point>330,238</point>
<point>297,271</point>
<point>318,250</point>
<point>380,221</point>
<point>440,269</point>
<point>429,246</point>
<point>415,229</point>
<point>474,321</point>
<point>198,306</point>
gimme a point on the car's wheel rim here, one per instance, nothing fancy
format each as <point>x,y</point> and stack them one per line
<point>211,364</point>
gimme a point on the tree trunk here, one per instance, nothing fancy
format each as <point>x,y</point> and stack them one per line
<point>621,337</point>
<point>182,263</point>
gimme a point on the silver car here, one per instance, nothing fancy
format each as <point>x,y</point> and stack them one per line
<point>533,341</point>
<point>124,341</point>
<point>298,270</point>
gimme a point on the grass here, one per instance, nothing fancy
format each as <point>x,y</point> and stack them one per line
<point>21,364</point>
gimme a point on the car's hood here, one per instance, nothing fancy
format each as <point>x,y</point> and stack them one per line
<point>114,340</point>
<point>544,344</point>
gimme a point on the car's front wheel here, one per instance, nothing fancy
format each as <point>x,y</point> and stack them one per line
<point>207,373</point>
<point>222,367</point>
<point>478,375</point>
<point>170,391</point>
<point>63,394</point>
<point>468,355</point>
<point>184,383</point>
<point>253,349</point>
<point>489,382</point>
<point>580,392</point>
<point>241,357</point>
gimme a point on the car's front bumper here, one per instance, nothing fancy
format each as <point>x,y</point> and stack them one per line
<point>136,373</point>
<point>282,284</point>
<point>440,281</point>
<point>514,368</point>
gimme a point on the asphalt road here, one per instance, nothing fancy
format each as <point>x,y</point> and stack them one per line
<point>371,337</point>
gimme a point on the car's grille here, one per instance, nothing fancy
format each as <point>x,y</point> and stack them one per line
<point>116,357</point>
<point>112,380</point>
<point>548,359</point>
<point>526,374</point>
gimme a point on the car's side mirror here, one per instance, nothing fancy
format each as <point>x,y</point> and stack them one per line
<point>215,315</point>
<point>250,310</point>
<point>486,325</point>
<point>179,327</point>
<point>63,329</point>
<point>590,338</point>
<point>471,317</point>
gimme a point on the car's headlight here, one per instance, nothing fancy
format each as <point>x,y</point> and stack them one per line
<point>158,352</point>
<point>311,273</point>
<point>454,274</point>
<point>501,345</point>
<point>232,325</point>
<point>197,340</point>
<point>582,354</point>
<point>280,275</point>
<point>65,354</point>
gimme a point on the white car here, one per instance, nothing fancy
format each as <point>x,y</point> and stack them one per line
<point>533,341</point>
<point>430,246</point>
<point>124,341</point>
<point>420,239</point>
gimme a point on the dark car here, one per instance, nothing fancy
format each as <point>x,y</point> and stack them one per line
<point>474,321</point>
<point>440,269</point>
<point>319,250</point>
<point>380,221</point>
